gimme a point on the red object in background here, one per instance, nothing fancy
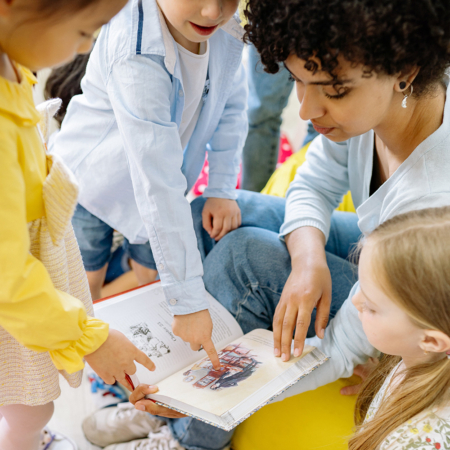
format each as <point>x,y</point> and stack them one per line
<point>284,152</point>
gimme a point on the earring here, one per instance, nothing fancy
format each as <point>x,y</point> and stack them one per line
<point>405,96</point>
<point>425,352</point>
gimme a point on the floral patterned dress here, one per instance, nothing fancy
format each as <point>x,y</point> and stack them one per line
<point>429,429</point>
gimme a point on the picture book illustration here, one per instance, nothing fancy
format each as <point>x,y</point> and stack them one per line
<point>237,361</point>
<point>142,337</point>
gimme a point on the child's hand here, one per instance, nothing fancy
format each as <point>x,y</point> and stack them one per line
<point>137,398</point>
<point>362,371</point>
<point>196,328</point>
<point>220,216</point>
<point>115,358</point>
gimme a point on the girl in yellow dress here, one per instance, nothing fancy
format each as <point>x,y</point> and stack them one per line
<point>46,322</point>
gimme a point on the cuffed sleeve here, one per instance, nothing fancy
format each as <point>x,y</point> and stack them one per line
<point>36,314</point>
<point>318,187</point>
<point>140,92</point>
<point>225,147</point>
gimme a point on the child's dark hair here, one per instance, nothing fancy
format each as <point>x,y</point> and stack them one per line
<point>386,36</point>
<point>64,82</point>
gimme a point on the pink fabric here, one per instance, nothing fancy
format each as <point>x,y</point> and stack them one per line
<point>285,151</point>
<point>21,425</point>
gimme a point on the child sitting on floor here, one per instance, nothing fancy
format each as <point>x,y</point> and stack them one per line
<point>404,307</point>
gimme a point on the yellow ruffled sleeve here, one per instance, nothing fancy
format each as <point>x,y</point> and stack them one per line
<point>32,310</point>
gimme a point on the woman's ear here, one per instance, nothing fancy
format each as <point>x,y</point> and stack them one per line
<point>435,341</point>
<point>405,80</point>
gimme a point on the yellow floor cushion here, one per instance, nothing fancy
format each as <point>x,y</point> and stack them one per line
<point>279,181</point>
<point>320,419</point>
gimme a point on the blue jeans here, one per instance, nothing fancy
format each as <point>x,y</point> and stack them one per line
<point>247,270</point>
<point>268,96</point>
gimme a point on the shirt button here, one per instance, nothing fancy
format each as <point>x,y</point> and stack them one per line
<point>161,267</point>
<point>181,93</point>
<point>173,301</point>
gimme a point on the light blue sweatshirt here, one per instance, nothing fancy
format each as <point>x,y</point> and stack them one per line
<point>331,169</point>
<point>121,140</point>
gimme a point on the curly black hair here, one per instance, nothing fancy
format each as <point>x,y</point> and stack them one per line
<point>385,36</point>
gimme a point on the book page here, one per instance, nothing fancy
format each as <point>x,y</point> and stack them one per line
<point>144,317</point>
<point>247,365</point>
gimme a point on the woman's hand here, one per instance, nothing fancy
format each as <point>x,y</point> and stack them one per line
<point>308,287</point>
<point>220,216</point>
<point>115,358</point>
<point>137,398</point>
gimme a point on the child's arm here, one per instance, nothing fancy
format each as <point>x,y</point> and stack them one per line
<point>221,214</point>
<point>39,316</point>
<point>140,92</point>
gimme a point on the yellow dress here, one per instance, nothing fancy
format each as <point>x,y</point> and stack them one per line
<point>44,327</point>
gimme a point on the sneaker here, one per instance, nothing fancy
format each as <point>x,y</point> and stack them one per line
<point>160,440</point>
<point>55,441</point>
<point>105,394</point>
<point>121,423</point>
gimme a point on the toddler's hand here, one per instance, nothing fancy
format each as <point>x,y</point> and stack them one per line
<point>137,398</point>
<point>115,358</point>
<point>196,328</point>
<point>362,371</point>
<point>220,216</point>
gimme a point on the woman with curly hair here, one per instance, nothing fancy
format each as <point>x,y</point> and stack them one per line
<point>371,78</point>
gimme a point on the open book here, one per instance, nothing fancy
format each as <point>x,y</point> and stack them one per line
<point>249,378</point>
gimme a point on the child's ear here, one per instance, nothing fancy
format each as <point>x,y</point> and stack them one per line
<point>435,341</point>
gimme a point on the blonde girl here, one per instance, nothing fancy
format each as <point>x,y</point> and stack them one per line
<point>404,307</point>
<point>44,327</point>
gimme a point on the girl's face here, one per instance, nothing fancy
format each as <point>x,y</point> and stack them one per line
<point>387,327</point>
<point>360,104</point>
<point>37,42</point>
<point>195,21</point>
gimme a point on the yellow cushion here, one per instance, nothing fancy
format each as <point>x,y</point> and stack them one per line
<point>320,419</point>
<point>281,179</point>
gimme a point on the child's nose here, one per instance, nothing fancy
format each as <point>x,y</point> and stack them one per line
<point>356,300</point>
<point>212,9</point>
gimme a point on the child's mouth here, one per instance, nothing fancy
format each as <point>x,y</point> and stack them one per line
<point>203,31</point>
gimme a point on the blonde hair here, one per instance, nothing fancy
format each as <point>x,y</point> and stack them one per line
<point>410,258</point>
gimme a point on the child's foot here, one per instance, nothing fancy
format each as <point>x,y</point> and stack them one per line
<point>162,439</point>
<point>105,394</point>
<point>55,441</point>
<point>121,423</point>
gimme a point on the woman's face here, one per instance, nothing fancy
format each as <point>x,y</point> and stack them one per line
<point>359,104</point>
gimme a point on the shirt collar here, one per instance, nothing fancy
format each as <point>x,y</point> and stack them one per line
<point>16,98</point>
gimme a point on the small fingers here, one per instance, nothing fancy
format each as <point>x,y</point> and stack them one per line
<point>212,353</point>
<point>157,410</point>
<point>141,391</point>
<point>226,228</point>
<point>207,221</point>
<point>217,226</point>
<point>351,390</point>
<point>144,360</point>
<point>106,377</point>
<point>195,347</point>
